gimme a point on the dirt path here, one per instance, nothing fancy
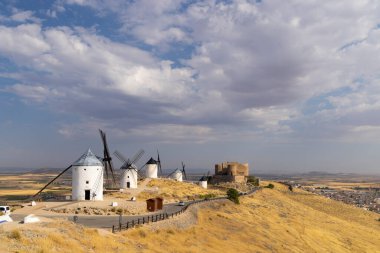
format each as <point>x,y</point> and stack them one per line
<point>141,187</point>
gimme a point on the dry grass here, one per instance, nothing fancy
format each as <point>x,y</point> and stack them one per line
<point>12,186</point>
<point>172,190</point>
<point>275,221</point>
<point>272,220</point>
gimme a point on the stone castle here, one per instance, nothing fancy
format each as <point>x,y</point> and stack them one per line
<point>231,172</point>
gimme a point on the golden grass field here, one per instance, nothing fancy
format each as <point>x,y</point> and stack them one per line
<point>24,185</point>
<point>173,190</point>
<point>170,190</point>
<point>272,220</point>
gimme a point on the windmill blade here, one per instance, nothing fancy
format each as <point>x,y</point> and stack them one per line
<point>183,170</point>
<point>140,175</point>
<point>208,178</point>
<point>137,156</point>
<point>141,167</point>
<point>159,162</point>
<point>139,171</point>
<point>60,174</point>
<point>107,159</point>
<point>172,173</point>
<point>126,162</point>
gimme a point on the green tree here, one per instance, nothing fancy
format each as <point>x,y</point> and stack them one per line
<point>270,186</point>
<point>233,195</point>
<point>253,180</point>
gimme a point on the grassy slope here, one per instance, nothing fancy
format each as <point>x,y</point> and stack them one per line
<point>270,221</point>
<point>173,190</point>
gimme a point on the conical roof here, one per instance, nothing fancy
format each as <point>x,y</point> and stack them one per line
<point>151,161</point>
<point>88,159</point>
<point>204,178</point>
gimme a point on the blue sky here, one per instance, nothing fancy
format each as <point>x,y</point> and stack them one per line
<point>284,85</point>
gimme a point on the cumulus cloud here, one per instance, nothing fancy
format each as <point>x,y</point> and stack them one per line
<point>256,65</point>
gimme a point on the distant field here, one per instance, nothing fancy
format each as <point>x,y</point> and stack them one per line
<point>336,184</point>
<point>21,186</point>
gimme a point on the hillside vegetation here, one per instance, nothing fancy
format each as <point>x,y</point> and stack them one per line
<point>272,220</point>
<point>173,190</point>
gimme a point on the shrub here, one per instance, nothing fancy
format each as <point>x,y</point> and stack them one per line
<point>142,233</point>
<point>170,231</point>
<point>270,186</point>
<point>207,196</point>
<point>233,195</point>
<point>253,180</point>
<point>14,234</point>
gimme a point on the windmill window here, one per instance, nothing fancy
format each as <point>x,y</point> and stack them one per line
<point>87,182</point>
<point>128,176</point>
<point>85,169</point>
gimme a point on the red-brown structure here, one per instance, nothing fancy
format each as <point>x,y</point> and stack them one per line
<point>154,204</point>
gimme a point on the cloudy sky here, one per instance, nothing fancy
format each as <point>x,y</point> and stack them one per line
<point>284,85</point>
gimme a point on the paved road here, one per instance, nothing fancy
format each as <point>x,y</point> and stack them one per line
<point>105,221</point>
<point>108,221</point>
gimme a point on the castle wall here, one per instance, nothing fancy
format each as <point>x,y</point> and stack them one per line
<point>231,172</point>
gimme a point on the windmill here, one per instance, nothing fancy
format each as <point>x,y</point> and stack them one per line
<point>204,179</point>
<point>130,171</point>
<point>178,174</point>
<point>151,168</point>
<point>87,178</point>
<point>94,174</point>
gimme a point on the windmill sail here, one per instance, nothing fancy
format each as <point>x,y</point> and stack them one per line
<point>159,163</point>
<point>183,170</point>
<point>60,174</point>
<point>107,159</point>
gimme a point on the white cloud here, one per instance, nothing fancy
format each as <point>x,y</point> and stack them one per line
<point>35,92</point>
<point>253,64</point>
<point>22,16</point>
<point>22,43</point>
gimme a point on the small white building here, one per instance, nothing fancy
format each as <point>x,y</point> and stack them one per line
<point>129,178</point>
<point>87,178</point>
<point>151,168</point>
<point>177,175</point>
<point>203,184</point>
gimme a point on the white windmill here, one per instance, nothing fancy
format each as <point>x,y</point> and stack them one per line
<point>203,180</point>
<point>129,176</point>
<point>152,167</point>
<point>87,174</point>
<point>87,178</point>
<point>179,174</point>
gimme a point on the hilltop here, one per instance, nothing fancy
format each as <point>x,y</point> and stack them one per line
<point>272,220</point>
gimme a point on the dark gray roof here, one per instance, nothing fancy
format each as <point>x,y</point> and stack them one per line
<point>151,161</point>
<point>88,159</point>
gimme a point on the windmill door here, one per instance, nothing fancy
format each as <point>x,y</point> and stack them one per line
<point>87,194</point>
<point>128,184</point>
